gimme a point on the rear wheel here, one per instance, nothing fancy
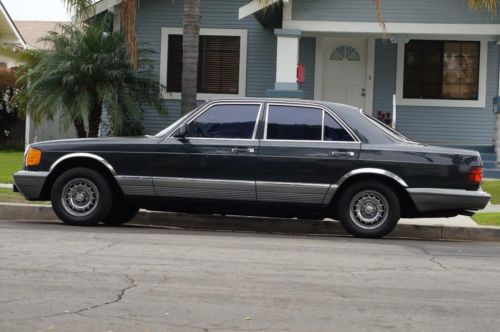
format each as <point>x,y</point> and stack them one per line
<point>369,209</point>
<point>81,197</point>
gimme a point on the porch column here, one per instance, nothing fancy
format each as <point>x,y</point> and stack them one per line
<point>287,58</point>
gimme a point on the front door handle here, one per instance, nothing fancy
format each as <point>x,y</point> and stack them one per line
<point>342,154</point>
<point>244,150</point>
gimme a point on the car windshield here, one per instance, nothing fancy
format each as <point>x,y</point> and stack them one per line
<point>175,124</point>
<point>388,129</point>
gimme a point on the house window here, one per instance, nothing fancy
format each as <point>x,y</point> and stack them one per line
<point>218,64</point>
<point>221,63</point>
<point>441,70</point>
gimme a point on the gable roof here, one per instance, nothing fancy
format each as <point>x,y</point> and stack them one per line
<point>9,34</point>
<point>32,31</point>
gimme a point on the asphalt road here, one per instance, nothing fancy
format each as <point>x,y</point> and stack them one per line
<point>62,278</point>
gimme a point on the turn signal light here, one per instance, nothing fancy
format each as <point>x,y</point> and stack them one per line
<point>33,157</point>
<point>476,175</point>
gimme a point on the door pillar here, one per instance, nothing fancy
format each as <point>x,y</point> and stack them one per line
<point>287,58</point>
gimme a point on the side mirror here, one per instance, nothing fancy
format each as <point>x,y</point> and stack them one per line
<point>182,131</point>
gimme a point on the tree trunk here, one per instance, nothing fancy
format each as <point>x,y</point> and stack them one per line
<point>190,45</point>
<point>95,119</point>
<point>80,128</point>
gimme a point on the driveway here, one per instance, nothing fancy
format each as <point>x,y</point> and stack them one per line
<point>61,278</point>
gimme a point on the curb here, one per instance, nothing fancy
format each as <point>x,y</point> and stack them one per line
<point>12,211</point>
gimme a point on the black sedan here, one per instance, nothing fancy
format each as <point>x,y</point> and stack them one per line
<point>254,156</point>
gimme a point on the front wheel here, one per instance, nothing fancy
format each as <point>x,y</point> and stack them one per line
<point>369,209</point>
<point>82,197</point>
<point>122,212</point>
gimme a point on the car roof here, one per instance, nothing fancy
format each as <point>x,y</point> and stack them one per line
<point>284,100</point>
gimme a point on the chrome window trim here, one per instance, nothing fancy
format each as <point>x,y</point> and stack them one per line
<point>83,155</point>
<point>305,105</point>
<point>369,170</point>
<point>211,104</point>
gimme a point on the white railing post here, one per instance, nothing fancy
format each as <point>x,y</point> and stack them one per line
<point>394,111</point>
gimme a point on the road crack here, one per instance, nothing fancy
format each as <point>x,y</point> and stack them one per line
<point>119,297</point>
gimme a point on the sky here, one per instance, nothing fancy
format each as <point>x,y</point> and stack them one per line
<point>36,10</point>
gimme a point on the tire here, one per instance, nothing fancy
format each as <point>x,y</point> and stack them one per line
<point>122,212</point>
<point>381,209</point>
<point>81,197</point>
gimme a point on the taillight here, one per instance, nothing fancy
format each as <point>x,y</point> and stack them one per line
<point>476,175</point>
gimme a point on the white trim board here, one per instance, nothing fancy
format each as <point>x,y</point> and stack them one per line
<point>242,33</point>
<point>480,103</point>
<point>403,28</point>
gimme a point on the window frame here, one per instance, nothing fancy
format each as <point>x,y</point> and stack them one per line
<point>207,107</point>
<point>483,65</point>
<point>324,110</point>
<point>242,33</point>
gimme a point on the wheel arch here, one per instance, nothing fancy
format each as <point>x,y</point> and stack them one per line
<point>74,160</point>
<point>396,183</point>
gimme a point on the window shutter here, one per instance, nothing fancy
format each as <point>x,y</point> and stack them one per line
<point>218,64</point>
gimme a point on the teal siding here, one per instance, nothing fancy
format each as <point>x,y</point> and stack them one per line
<point>261,56</point>
<point>436,125</point>
<point>307,57</point>
<point>411,11</point>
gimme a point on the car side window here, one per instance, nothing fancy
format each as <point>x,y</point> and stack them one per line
<point>294,123</point>
<point>225,121</point>
<point>334,131</point>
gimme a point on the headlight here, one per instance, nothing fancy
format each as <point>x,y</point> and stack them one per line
<point>33,157</point>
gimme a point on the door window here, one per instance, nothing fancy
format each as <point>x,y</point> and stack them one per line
<point>334,131</point>
<point>304,124</point>
<point>225,121</point>
<point>294,123</point>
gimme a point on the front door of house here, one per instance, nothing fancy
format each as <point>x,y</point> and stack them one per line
<point>344,71</point>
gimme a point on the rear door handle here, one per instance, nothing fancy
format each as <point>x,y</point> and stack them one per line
<point>243,150</point>
<point>342,154</point>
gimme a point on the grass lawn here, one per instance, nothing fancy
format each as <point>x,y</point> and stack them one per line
<point>10,162</point>
<point>492,188</point>
<point>487,218</point>
<point>8,196</point>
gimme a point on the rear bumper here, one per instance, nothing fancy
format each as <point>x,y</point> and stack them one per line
<point>436,199</point>
<point>30,184</point>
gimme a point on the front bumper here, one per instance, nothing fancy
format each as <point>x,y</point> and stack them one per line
<point>436,199</point>
<point>30,184</point>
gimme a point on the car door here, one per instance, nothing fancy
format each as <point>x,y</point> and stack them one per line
<point>216,159</point>
<point>304,150</point>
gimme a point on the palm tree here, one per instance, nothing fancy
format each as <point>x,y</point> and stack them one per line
<point>86,70</point>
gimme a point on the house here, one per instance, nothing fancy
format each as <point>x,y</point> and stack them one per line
<point>32,32</point>
<point>439,59</point>
<point>11,41</point>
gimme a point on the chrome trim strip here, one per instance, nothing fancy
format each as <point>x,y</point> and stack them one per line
<point>136,185</point>
<point>329,194</point>
<point>37,174</point>
<point>448,192</point>
<point>83,155</point>
<point>205,188</point>
<point>372,171</point>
